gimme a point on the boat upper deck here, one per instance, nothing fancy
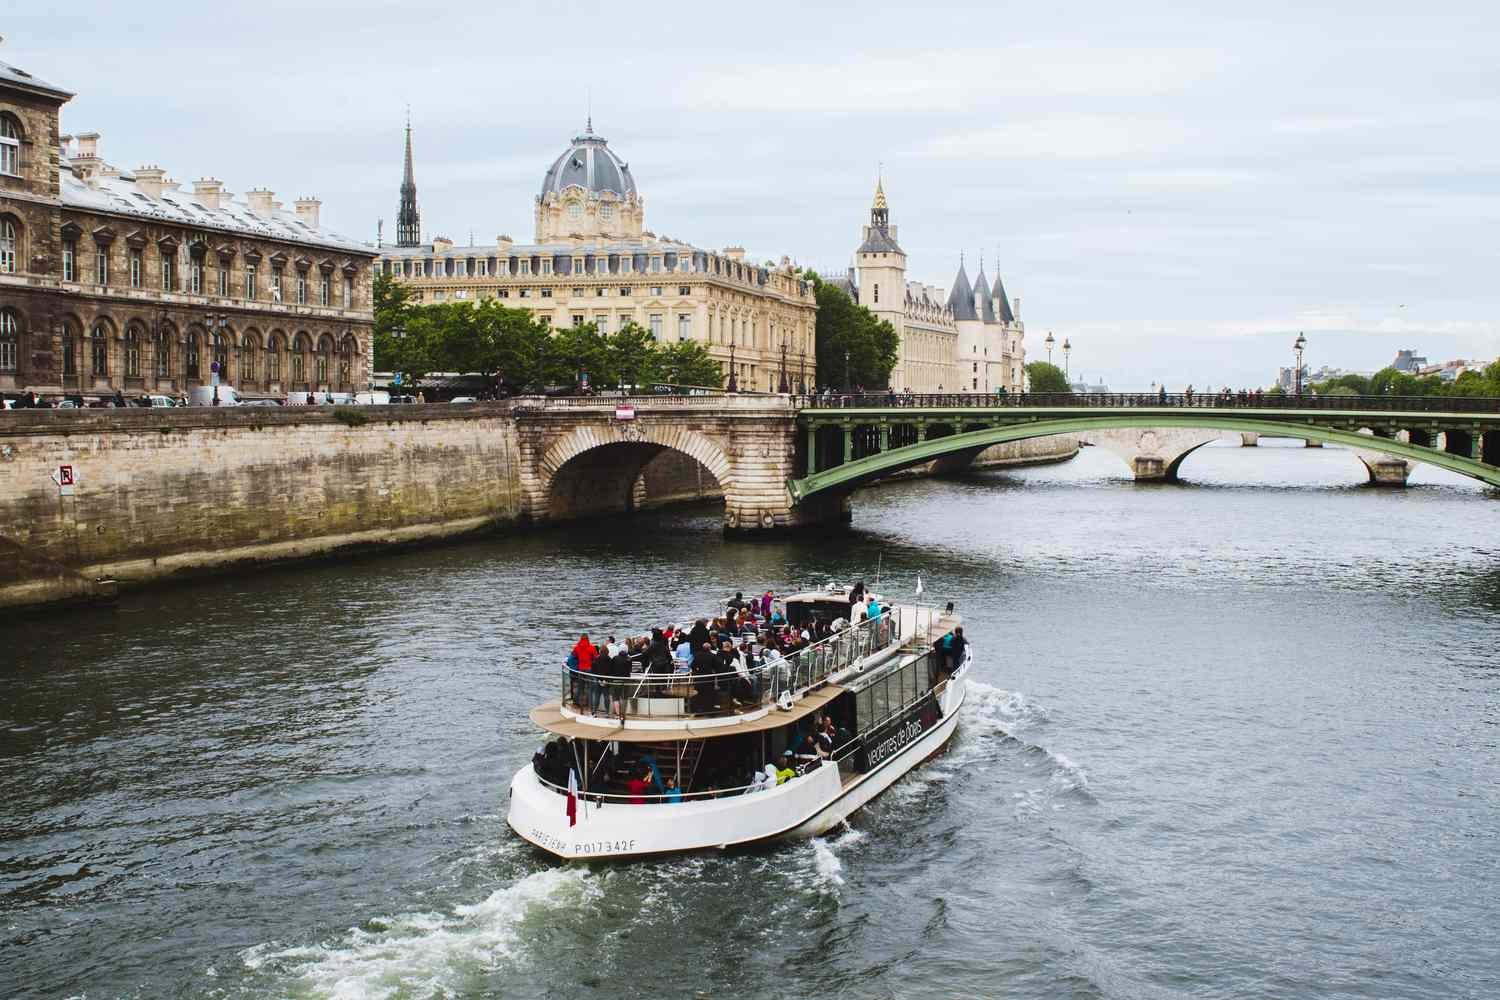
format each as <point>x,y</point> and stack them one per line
<point>729,678</point>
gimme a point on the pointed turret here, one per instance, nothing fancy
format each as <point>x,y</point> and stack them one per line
<point>880,236</point>
<point>961,299</point>
<point>1002,303</point>
<point>983,307</point>
<point>408,221</point>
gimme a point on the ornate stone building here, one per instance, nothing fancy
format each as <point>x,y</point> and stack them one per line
<point>115,280</point>
<point>593,261</point>
<point>969,340</point>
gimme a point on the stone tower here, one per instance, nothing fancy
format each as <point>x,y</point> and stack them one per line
<point>881,265</point>
<point>408,221</point>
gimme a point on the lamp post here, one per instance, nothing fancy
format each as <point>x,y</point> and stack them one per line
<point>846,371</point>
<point>1298,346</point>
<point>734,382</point>
<point>782,386</point>
<point>1067,350</point>
<point>801,374</point>
<point>1049,342</point>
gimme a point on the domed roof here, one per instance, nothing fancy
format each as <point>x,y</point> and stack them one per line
<point>589,163</point>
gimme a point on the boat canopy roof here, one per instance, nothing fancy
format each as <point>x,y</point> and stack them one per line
<point>549,716</point>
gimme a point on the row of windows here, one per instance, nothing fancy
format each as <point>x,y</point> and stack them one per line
<point>606,211</point>
<point>481,267</point>
<point>197,272</point>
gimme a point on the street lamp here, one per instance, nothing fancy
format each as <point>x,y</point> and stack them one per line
<point>1298,346</point>
<point>1067,350</point>
<point>1049,342</point>
<point>734,382</point>
<point>801,374</point>
<point>782,386</point>
<point>846,371</point>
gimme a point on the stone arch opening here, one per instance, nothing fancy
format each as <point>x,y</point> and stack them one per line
<point>625,476</point>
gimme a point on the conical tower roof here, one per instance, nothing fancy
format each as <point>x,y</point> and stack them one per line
<point>1002,301</point>
<point>961,299</point>
<point>408,221</point>
<point>986,308</point>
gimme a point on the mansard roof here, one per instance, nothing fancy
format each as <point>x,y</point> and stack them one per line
<point>1002,301</point>
<point>961,299</point>
<point>18,77</point>
<point>982,289</point>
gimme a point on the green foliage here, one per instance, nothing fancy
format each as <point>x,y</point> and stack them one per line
<point>1275,390</point>
<point>511,346</point>
<point>1390,382</point>
<point>849,337</point>
<point>349,416</point>
<point>1044,377</point>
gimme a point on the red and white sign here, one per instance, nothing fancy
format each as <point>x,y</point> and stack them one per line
<point>65,475</point>
<point>624,412</point>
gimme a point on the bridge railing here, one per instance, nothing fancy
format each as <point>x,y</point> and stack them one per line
<point>1127,400</point>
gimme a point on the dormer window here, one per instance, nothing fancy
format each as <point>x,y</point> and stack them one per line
<point>575,212</point>
<point>607,212</point>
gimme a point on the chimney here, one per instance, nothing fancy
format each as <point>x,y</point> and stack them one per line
<point>150,180</point>
<point>210,193</point>
<point>307,211</point>
<point>88,145</point>
<point>260,200</point>
<point>64,142</point>
<point>442,243</point>
<point>735,254</point>
<point>504,242</point>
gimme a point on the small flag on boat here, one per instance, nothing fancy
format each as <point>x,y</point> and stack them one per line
<point>919,584</point>
<point>572,797</point>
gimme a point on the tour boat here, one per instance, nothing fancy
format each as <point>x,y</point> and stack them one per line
<point>890,684</point>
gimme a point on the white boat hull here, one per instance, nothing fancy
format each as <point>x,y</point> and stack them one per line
<point>802,807</point>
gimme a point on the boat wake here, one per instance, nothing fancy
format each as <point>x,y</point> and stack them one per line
<point>992,711</point>
<point>426,954</point>
<point>827,865</point>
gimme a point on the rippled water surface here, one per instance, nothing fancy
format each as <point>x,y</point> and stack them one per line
<point>1239,738</point>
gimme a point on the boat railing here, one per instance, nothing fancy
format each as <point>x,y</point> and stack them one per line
<point>625,798</point>
<point>683,694</point>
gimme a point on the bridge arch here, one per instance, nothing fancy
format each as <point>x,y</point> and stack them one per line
<point>603,469</point>
<point>849,476</point>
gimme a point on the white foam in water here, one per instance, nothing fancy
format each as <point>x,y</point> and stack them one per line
<point>1006,710</point>
<point>827,863</point>
<point>425,951</point>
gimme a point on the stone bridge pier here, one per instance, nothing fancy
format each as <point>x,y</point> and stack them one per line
<point>582,458</point>
<point>1153,453</point>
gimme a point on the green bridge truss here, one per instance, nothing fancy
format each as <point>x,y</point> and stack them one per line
<point>868,453</point>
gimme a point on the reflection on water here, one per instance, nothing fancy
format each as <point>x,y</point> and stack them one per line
<point>1231,737</point>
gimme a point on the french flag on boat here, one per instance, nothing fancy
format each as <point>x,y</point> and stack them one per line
<point>572,797</point>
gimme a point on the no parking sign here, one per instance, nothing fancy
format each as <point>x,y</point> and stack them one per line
<point>64,479</point>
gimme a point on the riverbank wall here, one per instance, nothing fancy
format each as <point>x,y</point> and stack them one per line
<point>160,494</point>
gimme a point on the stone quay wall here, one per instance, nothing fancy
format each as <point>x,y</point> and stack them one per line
<point>166,493</point>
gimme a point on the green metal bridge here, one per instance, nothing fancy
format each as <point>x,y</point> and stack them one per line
<point>850,440</point>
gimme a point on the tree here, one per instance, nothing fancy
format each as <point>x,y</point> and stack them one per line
<point>393,311</point>
<point>1046,377</point>
<point>687,362</point>
<point>850,342</point>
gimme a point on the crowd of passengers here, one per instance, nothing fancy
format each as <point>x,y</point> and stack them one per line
<point>719,660</point>
<point>814,741</point>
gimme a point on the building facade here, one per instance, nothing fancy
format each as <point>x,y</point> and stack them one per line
<point>593,261</point>
<point>969,340</point>
<point>119,281</point>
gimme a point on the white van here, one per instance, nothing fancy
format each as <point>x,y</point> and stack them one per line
<point>203,395</point>
<point>377,398</point>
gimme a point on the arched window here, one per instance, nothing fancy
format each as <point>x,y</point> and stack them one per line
<point>70,350</point>
<point>190,355</point>
<point>299,358</point>
<point>99,350</point>
<point>325,354</point>
<point>10,245</point>
<point>163,347</point>
<point>132,352</point>
<point>346,362</point>
<point>10,340</point>
<point>247,359</point>
<point>273,359</point>
<point>221,355</point>
<point>10,145</point>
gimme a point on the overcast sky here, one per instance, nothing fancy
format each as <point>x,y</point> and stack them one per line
<point>1178,192</point>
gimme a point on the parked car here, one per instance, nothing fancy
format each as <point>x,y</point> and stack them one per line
<point>464,399</point>
<point>161,400</point>
<point>260,402</point>
<point>68,404</point>
<point>379,397</point>
<point>203,395</point>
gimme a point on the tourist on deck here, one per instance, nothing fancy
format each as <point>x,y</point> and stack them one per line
<point>699,634</point>
<point>658,657</point>
<point>786,772</point>
<point>872,609</point>
<point>682,656</point>
<point>638,786</point>
<point>581,661</point>
<point>673,793</point>
<point>737,602</point>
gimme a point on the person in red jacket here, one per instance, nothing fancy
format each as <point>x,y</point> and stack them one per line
<point>638,786</point>
<point>583,662</point>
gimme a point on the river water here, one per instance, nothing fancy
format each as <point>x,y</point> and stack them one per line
<point>1236,738</point>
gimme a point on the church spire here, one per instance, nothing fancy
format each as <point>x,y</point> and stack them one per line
<point>879,215</point>
<point>408,221</point>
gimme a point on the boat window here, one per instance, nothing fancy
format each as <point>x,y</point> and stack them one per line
<point>913,688</point>
<point>881,705</point>
<point>863,709</point>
